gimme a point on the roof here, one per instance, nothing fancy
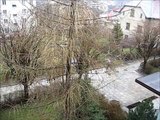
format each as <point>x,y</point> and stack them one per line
<point>151,8</point>
<point>151,82</point>
<point>112,14</point>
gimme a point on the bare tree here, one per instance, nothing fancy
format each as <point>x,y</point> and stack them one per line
<point>56,40</point>
<point>21,53</point>
<point>146,41</point>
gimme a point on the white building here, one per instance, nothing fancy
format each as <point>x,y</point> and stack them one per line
<point>135,13</point>
<point>13,13</point>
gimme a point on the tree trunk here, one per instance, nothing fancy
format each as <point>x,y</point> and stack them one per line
<point>144,64</point>
<point>26,88</point>
<point>67,106</point>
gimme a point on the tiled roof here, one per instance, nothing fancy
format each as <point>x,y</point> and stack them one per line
<point>151,8</point>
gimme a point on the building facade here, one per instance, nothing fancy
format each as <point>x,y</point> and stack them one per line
<point>14,13</point>
<point>134,14</point>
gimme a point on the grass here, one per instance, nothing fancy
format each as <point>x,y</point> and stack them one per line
<point>31,112</point>
<point>1,72</point>
<point>103,41</point>
<point>128,50</point>
<point>130,54</point>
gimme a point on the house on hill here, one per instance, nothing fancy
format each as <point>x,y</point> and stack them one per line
<point>133,15</point>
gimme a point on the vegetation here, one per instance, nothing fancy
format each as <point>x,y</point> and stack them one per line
<point>85,104</point>
<point>143,111</point>
<point>147,41</point>
<point>61,48</point>
<point>21,55</point>
<point>90,106</point>
<point>30,112</point>
<point>152,66</point>
<point>117,33</point>
<point>130,53</point>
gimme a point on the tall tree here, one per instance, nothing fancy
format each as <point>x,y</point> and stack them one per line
<point>21,53</point>
<point>117,33</point>
<point>146,41</point>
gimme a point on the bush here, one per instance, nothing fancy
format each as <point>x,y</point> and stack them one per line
<point>89,106</point>
<point>155,63</point>
<point>113,110</point>
<point>152,66</point>
<point>143,111</point>
<point>90,111</point>
<point>130,54</point>
<point>148,69</point>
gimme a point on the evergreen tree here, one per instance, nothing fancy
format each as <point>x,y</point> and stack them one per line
<point>117,33</point>
<point>144,111</point>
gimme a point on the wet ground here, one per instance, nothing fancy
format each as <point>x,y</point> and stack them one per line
<point>120,84</point>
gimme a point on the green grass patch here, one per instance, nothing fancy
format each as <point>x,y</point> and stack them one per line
<point>128,50</point>
<point>103,40</point>
<point>31,112</point>
<point>130,53</point>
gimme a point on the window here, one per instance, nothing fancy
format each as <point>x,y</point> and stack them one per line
<point>31,2</point>
<point>139,29</point>
<point>24,20</point>
<point>5,20</point>
<point>132,13</point>
<point>16,24</point>
<point>6,30</point>
<point>5,12</point>
<point>123,13</point>
<point>14,15</point>
<point>24,11</point>
<point>127,26</point>
<point>23,1</point>
<point>4,2</point>
<point>14,5</point>
<point>141,15</point>
<point>126,37</point>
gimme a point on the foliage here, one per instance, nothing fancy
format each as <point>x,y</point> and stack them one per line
<point>144,111</point>
<point>1,72</point>
<point>152,66</point>
<point>112,109</point>
<point>130,53</point>
<point>117,33</point>
<point>90,111</point>
<point>32,112</point>
<point>45,105</point>
<point>88,108</point>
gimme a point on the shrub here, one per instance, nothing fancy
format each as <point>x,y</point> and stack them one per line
<point>143,111</point>
<point>89,106</point>
<point>152,66</point>
<point>113,110</point>
<point>155,63</point>
<point>90,111</point>
<point>130,54</point>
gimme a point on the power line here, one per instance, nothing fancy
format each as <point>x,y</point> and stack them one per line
<point>61,3</point>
